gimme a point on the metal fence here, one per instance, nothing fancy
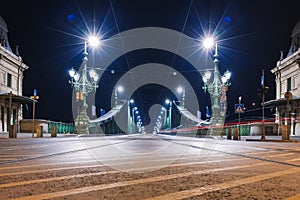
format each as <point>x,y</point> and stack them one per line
<point>61,127</point>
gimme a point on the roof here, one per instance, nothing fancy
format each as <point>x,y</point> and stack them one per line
<point>16,98</point>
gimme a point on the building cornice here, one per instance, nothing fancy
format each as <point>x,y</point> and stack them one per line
<point>295,57</point>
<point>17,60</point>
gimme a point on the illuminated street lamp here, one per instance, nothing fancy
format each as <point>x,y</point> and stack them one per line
<point>181,90</point>
<point>169,118</point>
<point>217,86</point>
<point>119,89</point>
<point>84,85</point>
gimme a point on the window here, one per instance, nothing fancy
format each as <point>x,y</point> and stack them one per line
<point>289,84</point>
<point>8,80</point>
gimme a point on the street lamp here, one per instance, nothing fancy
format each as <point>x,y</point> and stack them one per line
<point>119,89</point>
<point>240,101</point>
<point>217,87</point>
<point>181,90</point>
<point>169,103</point>
<point>83,85</point>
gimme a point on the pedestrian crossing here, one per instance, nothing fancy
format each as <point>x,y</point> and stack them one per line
<point>84,177</point>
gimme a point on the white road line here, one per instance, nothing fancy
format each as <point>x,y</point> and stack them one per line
<point>102,165</point>
<point>132,182</point>
<point>5,185</point>
<point>230,184</point>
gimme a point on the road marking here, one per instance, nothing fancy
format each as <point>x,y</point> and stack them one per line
<point>132,182</point>
<point>177,156</point>
<point>5,185</point>
<point>259,152</point>
<point>48,170</point>
<point>103,165</point>
<point>279,155</point>
<point>47,164</point>
<point>296,197</point>
<point>230,184</point>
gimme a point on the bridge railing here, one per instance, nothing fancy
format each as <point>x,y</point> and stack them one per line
<point>61,127</point>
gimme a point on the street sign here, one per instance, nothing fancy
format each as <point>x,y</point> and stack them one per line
<point>238,108</point>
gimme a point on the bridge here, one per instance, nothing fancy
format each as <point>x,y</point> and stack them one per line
<point>122,119</point>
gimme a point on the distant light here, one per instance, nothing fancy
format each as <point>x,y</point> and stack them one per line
<point>93,41</point>
<point>120,89</point>
<point>167,101</point>
<point>179,89</point>
<point>208,43</point>
<point>131,101</point>
<point>112,71</point>
<point>224,79</point>
<point>227,74</point>
<point>72,72</point>
<point>227,19</point>
<point>92,73</point>
<point>71,17</point>
<point>76,76</point>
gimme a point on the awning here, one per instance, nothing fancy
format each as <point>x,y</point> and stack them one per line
<point>16,98</point>
<point>280,102</point>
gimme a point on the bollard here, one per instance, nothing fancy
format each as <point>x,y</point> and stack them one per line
<point>285,132</point>
<point>12,131</point>
<point>236,134</point>
<point>39,131</point>
<point>229,136</point>
<point>53,131</point>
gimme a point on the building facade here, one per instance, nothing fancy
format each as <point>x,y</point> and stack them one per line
<point>11,82</point>
<point>287,78</point>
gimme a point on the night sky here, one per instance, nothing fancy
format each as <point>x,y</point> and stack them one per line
<point>50,36</point>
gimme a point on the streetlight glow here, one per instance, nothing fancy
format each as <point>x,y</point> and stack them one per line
<point>227,74</point>
<point>208,43</point>
<point>180,89</point>
<point>93,41</point>
<point>120,89</point>
<point>76,76</point>
<point>72,72</point>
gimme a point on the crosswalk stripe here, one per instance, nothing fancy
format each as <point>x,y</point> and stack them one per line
<point>230,184</point>
<point>131,182</point>
<point>5,185</point>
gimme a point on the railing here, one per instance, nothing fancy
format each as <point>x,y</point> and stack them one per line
<point>61,127</point>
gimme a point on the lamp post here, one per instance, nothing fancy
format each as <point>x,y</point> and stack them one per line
<point>119,89</point>
<point>83,86</point>
<point>133,118</point>
<point>217,87</point>
<point>169,103</point>
<point>181,90</point>
<point>130,121</point>
<point>34,98</point>
<point>240,101</point>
